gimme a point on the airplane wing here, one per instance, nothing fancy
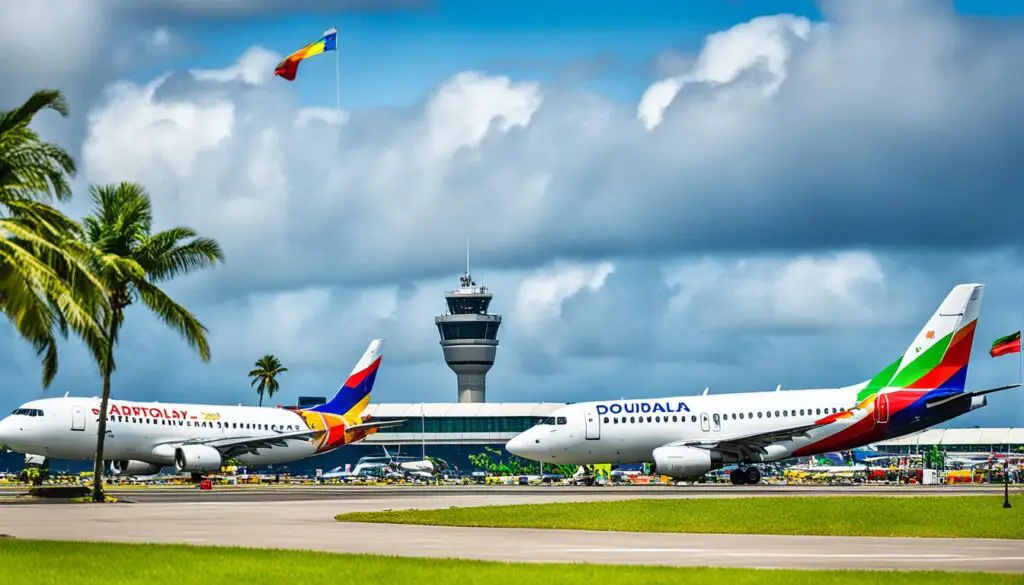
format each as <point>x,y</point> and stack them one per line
<point>967,395</point>
<point>378,425</point>
<point>744,444</point>
<point>234,446</point>
<point>239,445</point>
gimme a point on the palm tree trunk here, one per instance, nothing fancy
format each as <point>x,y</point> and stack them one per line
<point>101,431</point>
<point>261,399</point>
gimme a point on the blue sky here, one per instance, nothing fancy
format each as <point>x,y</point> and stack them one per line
<point>396,58</point>
<point>811,201</point>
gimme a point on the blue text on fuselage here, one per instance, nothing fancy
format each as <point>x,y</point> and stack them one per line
<point>641,407</point>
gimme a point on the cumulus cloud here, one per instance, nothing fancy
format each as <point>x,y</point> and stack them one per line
<point>765,43</point>
<point>540,296</point>
<point>784,135</point>
<point>254,67</point>
<point>840,290</point>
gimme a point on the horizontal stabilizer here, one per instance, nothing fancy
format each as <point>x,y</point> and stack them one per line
<point>376,425</point>
<point>967,395</point>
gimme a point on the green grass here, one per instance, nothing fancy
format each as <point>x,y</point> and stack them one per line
<point>63,563</point>
<point>936,516</point>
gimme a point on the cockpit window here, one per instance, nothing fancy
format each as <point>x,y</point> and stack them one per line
<point>28,411</point>
<point>551,420</point>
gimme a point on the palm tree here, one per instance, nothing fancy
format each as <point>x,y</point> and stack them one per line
<point>45,288</point>
<point>130,261</point>
<point>266,371</point>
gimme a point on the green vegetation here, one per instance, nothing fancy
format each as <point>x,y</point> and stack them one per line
<point>266,371</point>
<point>500,462</point>
<point>935,516</point>
<point>45,287</point>
<point>90,563</point>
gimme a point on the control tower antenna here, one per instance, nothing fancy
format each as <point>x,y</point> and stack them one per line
<point>469,336</point>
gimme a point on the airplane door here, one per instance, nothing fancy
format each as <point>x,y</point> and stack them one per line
<point>593,425</point>
<point>716,422</point>
<point>705,422</point>
<point>77,419</point>
<point>882,409</point>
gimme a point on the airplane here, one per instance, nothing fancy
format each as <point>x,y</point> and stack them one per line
<point>688,436</point>
<point>144,437</point>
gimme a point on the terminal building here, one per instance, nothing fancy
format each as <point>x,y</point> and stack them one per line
<point>973,441</point>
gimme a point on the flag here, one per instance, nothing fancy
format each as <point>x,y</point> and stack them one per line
<point>290,65</point>
<point>1005,345</point>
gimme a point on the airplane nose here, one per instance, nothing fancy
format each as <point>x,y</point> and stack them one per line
<point>519,445</point>
<point>7,431</point>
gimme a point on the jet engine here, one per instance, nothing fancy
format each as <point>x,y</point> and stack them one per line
<point>197,459</point>
<point>131,467</point>
<point>682,462</point>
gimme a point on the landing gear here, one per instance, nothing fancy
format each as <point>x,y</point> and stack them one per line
<point>745,475</point>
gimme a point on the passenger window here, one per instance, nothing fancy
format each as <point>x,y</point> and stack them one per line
<point>758,415</point>
<point>632,420</point>
<point>693,418</point>
<point>562,421</point>
<point>674,418</point>
<point>801,412</point>
<point>606,420</point>
<point>776,414</point>
<point>741,416</point>
<point>657,419</point>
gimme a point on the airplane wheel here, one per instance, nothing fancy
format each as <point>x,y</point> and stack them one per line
<point>736,476</point>
<point>752,475</point>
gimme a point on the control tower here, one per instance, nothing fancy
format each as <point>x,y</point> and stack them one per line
<point>469,337</point>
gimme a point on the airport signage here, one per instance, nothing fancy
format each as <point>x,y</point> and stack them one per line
<point>642,407</point>
<point>125,410</point>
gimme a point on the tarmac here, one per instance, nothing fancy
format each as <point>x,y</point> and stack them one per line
<point>516,494</point>
<point>290,518</point>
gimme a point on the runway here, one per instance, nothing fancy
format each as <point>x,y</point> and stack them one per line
<point>309,524</point>
<point>271,493</point>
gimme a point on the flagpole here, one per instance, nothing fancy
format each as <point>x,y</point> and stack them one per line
<point>337,73</point>
<point>1006,462</point>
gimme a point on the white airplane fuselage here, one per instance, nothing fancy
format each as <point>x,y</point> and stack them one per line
<point>687,436</point>
<point>141,437</point>
<point>147,431</point>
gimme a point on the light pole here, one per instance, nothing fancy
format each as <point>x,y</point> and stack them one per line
<point>1006,482</point>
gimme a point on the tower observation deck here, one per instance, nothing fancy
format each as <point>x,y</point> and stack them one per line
<point>469,337</point>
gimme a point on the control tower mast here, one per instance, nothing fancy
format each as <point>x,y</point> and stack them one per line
<point>469,336</point>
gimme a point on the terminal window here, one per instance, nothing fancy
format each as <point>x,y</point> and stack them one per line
<point>460,424</point>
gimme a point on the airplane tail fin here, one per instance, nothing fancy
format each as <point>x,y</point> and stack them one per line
<point>354,395</point>
<point>939,355</point>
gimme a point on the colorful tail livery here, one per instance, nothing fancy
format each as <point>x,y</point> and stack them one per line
<point>341,416</point>
<point>353,396</point>
<point>938,357</point>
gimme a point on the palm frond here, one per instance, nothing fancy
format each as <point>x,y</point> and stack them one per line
<point>175,316</point>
